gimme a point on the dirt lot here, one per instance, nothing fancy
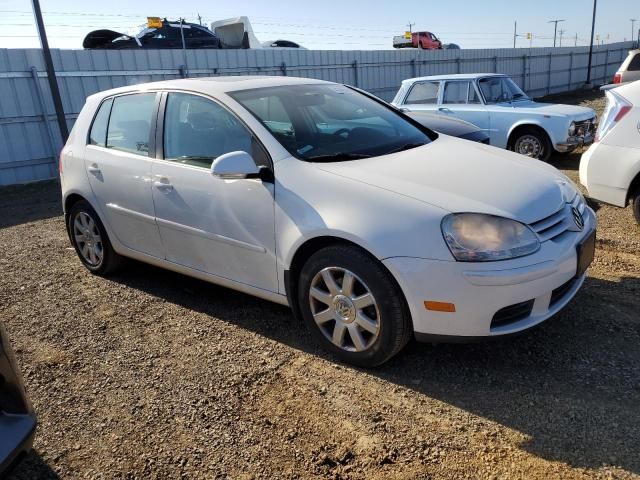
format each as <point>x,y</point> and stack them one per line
<point>149,374</point>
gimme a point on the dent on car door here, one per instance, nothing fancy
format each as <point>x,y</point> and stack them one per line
<point>221,227</point>
<point>119,169</point>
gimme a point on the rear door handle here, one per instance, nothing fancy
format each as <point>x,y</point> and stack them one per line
<point>163,184</point>
<point>94,169</point>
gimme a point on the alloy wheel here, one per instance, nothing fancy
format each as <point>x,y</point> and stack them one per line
<point>88,239</point>
<point>344,309</point>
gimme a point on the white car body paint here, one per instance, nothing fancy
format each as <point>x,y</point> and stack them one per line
<point>610,166</point>
<point>245,233</point>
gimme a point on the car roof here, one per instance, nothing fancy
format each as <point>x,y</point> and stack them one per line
<point>454,76</point>
<point>216,85</point>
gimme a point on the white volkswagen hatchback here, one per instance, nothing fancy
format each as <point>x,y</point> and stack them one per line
<point>314,195</point>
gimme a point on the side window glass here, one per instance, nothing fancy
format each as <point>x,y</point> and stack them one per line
<point>473,95</point>
<point>198,130</point>
<point>634,65</point>
<point>98,134</point>
<point>424,92</point>
<point>455,92</point>
<point>130,123</point>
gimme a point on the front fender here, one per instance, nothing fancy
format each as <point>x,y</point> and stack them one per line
<point>553,127</point>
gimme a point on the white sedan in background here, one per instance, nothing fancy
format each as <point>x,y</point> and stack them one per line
<point>373,228</point>
<point>610,169</point>
<point>496,104</point>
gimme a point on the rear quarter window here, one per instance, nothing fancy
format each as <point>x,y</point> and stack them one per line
<point>98,133</point>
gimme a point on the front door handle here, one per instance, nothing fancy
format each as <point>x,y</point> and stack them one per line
<point>445,110</point>
<point>94,169</point>
<point>163,184</point>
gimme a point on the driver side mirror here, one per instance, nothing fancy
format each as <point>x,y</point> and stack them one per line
<point>239,165</point>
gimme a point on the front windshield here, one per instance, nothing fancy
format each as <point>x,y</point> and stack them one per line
<point>500,89</point>
<point>331,122</point>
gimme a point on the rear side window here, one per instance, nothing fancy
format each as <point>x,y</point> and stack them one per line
<point>98,134</point>
<point>424,92</point>
<point>634,66</point>
<point>455,92</point>
<point>130,123</point>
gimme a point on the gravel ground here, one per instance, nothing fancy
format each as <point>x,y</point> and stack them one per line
<point>149,374</point>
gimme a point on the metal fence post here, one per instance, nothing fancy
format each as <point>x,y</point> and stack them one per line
<point>549,74</point>
<point>52,145</point>
<point>570,70</point>
<point>459,62</point>
<point>606,65</point>
<point>355,73</point>
<point>283,69</point>
<point>524,72</point>
<point>495,64</point>
<point>414,71</point>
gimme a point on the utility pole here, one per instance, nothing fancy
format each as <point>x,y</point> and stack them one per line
<point>576,44</point>
<point>410,25</point>
<point>51,73</point>
<point>199,19</point>
<point>555,30</point>
<point>633,30</point>
<point>561,33</point>
<point>515,33</point>
<point>593,28</point>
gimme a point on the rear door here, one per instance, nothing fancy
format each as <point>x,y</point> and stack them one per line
<point>119,169</point>
<point>461,100</point>
<point>423,97</point>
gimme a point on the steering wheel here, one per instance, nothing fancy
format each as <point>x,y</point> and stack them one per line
<point>341,131</point>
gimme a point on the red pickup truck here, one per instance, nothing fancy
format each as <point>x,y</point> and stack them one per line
<point>423,40</point>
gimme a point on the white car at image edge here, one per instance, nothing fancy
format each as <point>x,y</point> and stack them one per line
<point>610,169</point>
<point>373,228</point>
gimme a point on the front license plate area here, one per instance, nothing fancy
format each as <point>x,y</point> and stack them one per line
<point>586,253</point>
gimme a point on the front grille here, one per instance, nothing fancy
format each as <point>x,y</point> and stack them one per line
<point>558,222</point>
<point>585,127</point>
<point>512,314</point>
<point>560,292</point>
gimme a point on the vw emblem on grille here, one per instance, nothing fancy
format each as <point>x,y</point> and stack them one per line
<point>577,218</point>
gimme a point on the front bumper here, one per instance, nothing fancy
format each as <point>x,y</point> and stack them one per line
<point>545,281</point>
<point>574,142</point>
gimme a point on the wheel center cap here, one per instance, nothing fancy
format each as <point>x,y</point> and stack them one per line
<point>344,308</point>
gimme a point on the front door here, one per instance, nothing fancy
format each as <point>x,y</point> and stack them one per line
<point>221,227</point>
<point>119,169</point>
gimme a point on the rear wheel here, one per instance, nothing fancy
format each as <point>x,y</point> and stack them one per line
<point>635,204</point>
<point>91,241</point>
<point>531,142</point>
<point>353,306</point>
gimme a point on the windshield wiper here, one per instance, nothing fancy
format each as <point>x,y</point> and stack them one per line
<point>406,146</point>
<point>338,157</point>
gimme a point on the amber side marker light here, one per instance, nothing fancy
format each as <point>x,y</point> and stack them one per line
<point>440,306</point>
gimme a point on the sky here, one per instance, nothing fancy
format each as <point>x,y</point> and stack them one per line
<point>334,24</point>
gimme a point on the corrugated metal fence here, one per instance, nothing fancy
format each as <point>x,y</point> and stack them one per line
<point>29,138</point>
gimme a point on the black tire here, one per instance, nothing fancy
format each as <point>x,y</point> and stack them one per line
<point>537,133</point>
<point>395,328</point>
<point>635,204</point>
<point>110,260</point>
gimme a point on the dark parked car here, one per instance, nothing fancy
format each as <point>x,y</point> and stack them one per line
<point>165,35</point>
<point>450,126</point>
<point>17,420</point>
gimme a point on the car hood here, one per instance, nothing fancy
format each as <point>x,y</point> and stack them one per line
<point>551,109</point>
<point>460,176</point>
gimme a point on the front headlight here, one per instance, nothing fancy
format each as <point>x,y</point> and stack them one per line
<point>477,237</point>
<point>572,129</point>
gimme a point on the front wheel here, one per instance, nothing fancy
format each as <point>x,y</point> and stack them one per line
<point>353,306</point>
<point>531,142</point>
